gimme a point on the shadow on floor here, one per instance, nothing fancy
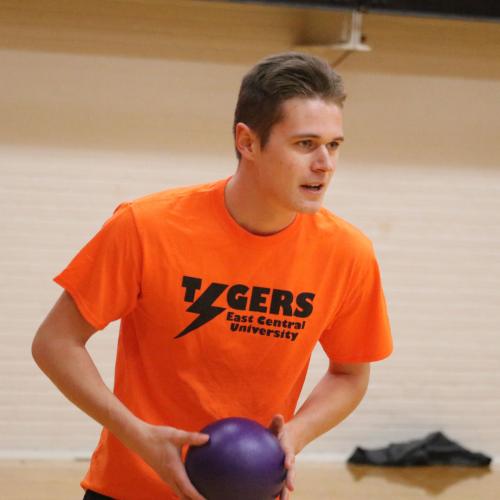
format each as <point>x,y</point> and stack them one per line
<point>434,480</point>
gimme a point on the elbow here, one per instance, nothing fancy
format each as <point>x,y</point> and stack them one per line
<point>37,346</point>
<point>42,347</point>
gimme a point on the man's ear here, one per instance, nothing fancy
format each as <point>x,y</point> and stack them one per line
<point>246,141</point>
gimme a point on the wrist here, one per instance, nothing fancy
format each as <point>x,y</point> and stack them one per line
<point>295,435</point>
<point>128,428</point>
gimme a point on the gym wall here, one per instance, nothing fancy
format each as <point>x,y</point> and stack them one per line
<point>106,101</point>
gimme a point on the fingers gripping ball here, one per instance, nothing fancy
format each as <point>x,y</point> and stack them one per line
<point>242,460</point>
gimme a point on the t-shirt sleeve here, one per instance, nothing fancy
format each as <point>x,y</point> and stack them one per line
<point>104,279</point>
<point>360,331</point>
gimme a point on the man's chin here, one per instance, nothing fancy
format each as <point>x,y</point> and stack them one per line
<point>310,208</point>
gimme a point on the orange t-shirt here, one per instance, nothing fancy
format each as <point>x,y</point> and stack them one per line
<point>216,321</point>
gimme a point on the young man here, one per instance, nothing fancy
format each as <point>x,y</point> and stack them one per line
<point>223,290</point>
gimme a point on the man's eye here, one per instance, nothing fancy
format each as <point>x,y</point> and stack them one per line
<point>306,144</point>
<point>333,145</point>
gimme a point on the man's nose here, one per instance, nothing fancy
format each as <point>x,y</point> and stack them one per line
<point>324,160</point>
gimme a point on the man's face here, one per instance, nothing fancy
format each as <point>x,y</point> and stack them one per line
<point>296,165</point>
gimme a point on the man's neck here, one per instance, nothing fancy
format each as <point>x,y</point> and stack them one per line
<point>244,203</point>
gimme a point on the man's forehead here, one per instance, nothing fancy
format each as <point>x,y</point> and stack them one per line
<point>310,116</point>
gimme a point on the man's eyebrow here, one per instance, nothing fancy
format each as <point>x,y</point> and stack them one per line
<point>315,136</point>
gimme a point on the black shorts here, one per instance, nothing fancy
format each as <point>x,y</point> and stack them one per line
<point>92,495</point>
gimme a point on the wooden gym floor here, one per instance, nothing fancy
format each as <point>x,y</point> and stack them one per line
<point>59,480</point>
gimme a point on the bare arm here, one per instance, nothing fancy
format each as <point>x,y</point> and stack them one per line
<point>59,349</point>
<point>335,396</point>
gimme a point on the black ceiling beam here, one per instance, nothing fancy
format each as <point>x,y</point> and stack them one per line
<point>467,9</point>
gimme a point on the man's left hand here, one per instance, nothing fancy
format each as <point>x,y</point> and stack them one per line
<point>279,429</point>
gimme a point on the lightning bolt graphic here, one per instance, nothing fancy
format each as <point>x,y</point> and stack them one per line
<point>204,308</point>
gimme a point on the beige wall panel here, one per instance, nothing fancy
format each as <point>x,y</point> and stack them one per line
<point>95,112</point>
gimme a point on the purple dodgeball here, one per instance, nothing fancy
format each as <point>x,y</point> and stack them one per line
<point>242,460</point>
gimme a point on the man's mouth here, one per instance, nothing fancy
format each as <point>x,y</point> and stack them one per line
<point>312,187</point>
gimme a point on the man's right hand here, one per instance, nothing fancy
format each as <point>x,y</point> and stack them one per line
<point>161,447</point>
